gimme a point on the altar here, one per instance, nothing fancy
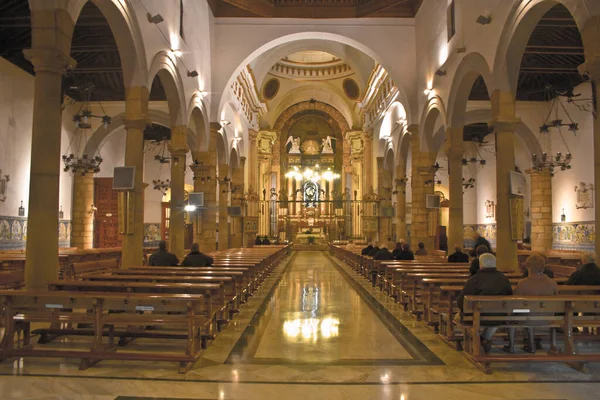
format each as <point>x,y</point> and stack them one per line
<point>317,235</point>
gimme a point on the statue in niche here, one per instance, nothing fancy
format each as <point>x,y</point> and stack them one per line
<point>327,149</point>
<point>3,184</point>
<point>295,149</point>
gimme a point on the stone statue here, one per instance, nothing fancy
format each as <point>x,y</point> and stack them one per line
<point>295,149</point>
<point>327,149</point>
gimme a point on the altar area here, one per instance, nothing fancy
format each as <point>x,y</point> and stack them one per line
<point>315,236</point>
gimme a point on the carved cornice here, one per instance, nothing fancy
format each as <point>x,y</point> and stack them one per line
<point>246,97</point>
<point>311,71</point>
<point>380,94</point>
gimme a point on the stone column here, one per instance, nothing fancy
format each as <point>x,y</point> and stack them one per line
<point>368,161</point>
<point>454,150</point>
<point>82,233</point>
<point>135,121</point>
<point>206,225</point>
<point>237,192</point>
<point>384,200</point>
<point>504,122</point>
<point>400,188</point>
<point>178,151</point>
<point>253,176</point>
<point>541,210</point>
<point>422,171</point>
<point>223,204</point>
<point>41,266</point>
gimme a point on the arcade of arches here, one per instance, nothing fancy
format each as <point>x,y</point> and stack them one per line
<point>320,126</point>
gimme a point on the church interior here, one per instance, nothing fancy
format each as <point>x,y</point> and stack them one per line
<point>213,199</point>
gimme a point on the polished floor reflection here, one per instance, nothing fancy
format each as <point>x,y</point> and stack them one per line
<point>314,315</point>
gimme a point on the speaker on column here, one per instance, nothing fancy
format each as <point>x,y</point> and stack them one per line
<point>196,199</point>
<point>124,178</point>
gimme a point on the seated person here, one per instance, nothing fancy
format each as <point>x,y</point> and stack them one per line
<point>406,254</point>
<point>374,250</point>
<point>458,256</point>
<point>266,241</point>
<point>547,271</point>
<point>257,241</point>
<point>480,240</point>
<point>196,259</point>
<point>536,284</point>
<point>587,274</point>
<point>421,250</point>
<point>162,257</point>
<point>390,245</point>
<point>397,250</point>
<point>367,250</point>
<point>487,282</point>
<point>481,249</point>
<point>383,254</point>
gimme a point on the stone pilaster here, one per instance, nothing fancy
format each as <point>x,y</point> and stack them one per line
<point>422,171</point>
<point>541,210</point>
<point>384,185</point>
<point>368,161</point>
<point>454,150</point>
<point>253,159</point>
<point>178,150</point>
<point>237,188</point>
<point>224,184</point>
<point>41,266</point>
<point>400,189</point>
<point>136,111</point>
<point>504,122</point>
<point>82,232</point>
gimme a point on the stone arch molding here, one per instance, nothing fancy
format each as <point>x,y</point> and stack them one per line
<point>126,31</point>
<point>198,117</point>
<point>307,105</point>
<point>432,140</point>
<point>522,20</point>
<point>164,66</point>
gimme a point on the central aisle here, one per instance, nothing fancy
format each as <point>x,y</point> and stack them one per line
<point>315,315</point>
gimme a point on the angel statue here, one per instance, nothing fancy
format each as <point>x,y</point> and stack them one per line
<point>327,149</point>
<point>295,149</point>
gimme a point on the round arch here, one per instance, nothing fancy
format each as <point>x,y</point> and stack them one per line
<point>126,31</point>
<point>402,149</point>
<point>322,36</point>
<point>431,140</point>
<point>522,20</point>
<point>307,105</point>
<point>234,159</point>
<point>199,122</point>
<point>165,69</point>
<point>469,69</point>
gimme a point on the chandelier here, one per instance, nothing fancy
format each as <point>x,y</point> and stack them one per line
<point>548,160</point>
<point>162,186</point>
<point>84,164</point>
<point>313,175</point>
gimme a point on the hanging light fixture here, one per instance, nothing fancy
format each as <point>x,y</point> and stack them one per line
<point>556,161</point>
<point>85,163</point>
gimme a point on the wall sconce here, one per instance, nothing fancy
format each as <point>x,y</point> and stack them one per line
<point>176,52</point>
<point>61,214</point>
<point>155,19</point>
<point>192,74</point>
<point>92,209</point>
<point>21,210</point>
<point>440,72</point>
<point>428,91</point>
<point>483,20</point>
<point>3,183</point>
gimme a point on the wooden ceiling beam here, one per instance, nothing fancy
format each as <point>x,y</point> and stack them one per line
<point>376,6</point>
<point>259,7</point>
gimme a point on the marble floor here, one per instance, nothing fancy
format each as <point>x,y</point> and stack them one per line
<point>314,330</point>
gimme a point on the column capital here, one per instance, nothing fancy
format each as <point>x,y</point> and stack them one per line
<point>505,125</point>
<point>252,135</point>
<point>178,152</point>
<point>49,60</point>
<point>215,126</point>
<point>413,129</point>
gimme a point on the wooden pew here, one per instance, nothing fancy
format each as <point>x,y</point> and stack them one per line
<point>13,279</point>
<point>563,311</point>
<point>79,269</point>
<point>183,316</point>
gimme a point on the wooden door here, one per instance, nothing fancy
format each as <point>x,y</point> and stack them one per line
<point>165,218</point>
<point>106,219</point>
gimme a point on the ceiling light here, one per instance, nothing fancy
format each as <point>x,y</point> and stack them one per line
<point>190,208</point>
<point>155,19</point>
<point>483,20</point>
<point>192,74</point>
<point>440,72</point>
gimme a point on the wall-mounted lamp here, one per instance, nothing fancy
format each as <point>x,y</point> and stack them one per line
<point>155,19</point>
<point>192,74</point>
<point>190,208</point>
<point>428,91</point>
<point>61,214</point>
<point>176,52</point>
<point>440,72</point>
<point>483,20</point>
<point>224,122</point>
<point>92,209</point>
<point>21,210</point>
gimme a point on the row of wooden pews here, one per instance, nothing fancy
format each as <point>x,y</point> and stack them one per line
<point>117,306</point>
<point>428,288</point>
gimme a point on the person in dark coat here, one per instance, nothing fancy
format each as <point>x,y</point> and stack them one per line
<point>421,250</point>
<point>587,274</point>
<point>162,258</point>
<point>487,282</point>
<point>480,240</point>
<point>483,249</point>
<point>257,241</point>
<point>383,254</point>
<point>458,256</point>
<point>374,250</point>
<point>367,250</point>
<point>397,250</point>
<point>406,254</point>
<point>266,241</point>
<point>196,259</point>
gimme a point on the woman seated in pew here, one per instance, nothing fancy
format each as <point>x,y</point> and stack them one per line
<point>196,259</point>
<point>587,274</point>
<point>536,284</point>
<point>163,258</point>
<point>488,282</point>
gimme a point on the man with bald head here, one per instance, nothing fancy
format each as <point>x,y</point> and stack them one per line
<point>487,282</point>
<point>587,274</point>
<point>458,256</point>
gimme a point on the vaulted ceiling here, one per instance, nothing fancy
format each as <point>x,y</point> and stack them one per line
<point>316,8</point>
